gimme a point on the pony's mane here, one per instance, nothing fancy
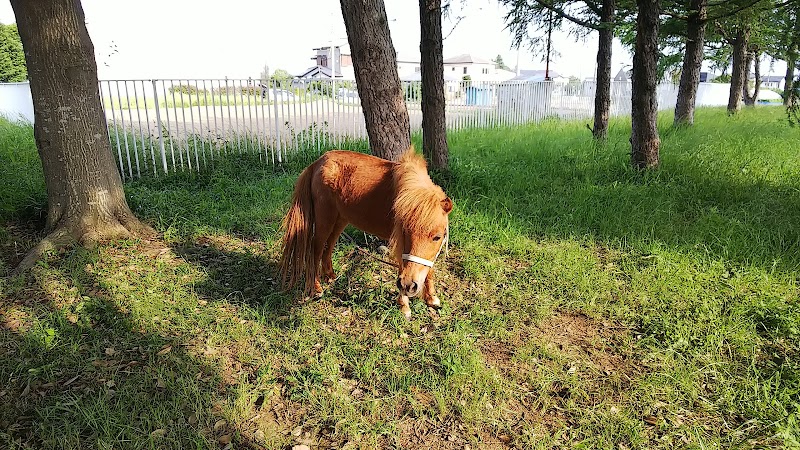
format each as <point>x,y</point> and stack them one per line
<point>417,201</point>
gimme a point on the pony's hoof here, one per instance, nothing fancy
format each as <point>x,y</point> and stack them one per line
<point>434,302</point>
<point>406,313</point>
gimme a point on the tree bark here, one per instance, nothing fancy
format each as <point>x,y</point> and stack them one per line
<point>645,141</point>
<point>434,129</point>
<point>375,65</point>
<point>692,61</point>
<point>602,95</point>
<point>86,201</point>
<point>753,57</point>
<point>791,61</point>
<point>789,82</point>
<point>739,71</point>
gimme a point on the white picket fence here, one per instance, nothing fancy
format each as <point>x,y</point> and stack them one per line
<point>163,126</point>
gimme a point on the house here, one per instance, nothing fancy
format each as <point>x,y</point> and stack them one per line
<point>406,65</point>
<point>773,81</point>
<point>324,64</point>
<point>539,75</point>
<point>623,75</point>
<point>477,68</point>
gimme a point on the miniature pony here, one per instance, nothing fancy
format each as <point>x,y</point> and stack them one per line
<point>395,201</point>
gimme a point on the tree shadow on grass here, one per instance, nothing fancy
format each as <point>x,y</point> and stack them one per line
<point>87,366</point>
<point>239,272</point>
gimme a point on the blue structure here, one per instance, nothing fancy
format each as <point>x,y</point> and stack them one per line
<point>479,96</point>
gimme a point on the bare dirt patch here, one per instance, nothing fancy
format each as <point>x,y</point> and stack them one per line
<point>604,344</point>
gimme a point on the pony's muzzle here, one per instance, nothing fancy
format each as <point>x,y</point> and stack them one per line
<point>409,289</point>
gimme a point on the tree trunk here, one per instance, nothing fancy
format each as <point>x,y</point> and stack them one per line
<point>86,202</point>
<point>644,99</point>
<point>602,95</point>
<point>789,82</point>
<point>692,61</point>
<point>752,57</point>
<point>434,129</point>
<point>739,71</point>
<point>791,61</point>
<point>375,64</point>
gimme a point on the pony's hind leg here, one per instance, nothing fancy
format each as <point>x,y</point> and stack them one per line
<point>427,292</point>
<point>324,222</point>
<point>327,255</point>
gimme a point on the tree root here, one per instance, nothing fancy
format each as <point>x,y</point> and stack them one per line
<point>85,235</point>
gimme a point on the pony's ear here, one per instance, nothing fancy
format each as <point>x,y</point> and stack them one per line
<point>447,205</point>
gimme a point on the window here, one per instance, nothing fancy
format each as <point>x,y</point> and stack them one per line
<point>416,69</point>
<point>465,69</point>
<point>454,69</point>
<point>485,71</point>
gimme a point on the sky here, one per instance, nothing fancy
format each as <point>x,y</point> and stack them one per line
<point>237,38</point>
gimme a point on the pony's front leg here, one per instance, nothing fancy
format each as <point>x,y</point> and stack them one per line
<point>403,302</point>
<point>427,292</point>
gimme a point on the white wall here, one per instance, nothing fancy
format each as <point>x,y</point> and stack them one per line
<point>16,103</point>
<point>712,94</point>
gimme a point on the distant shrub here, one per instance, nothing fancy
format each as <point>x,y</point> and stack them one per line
<point>186,89</point>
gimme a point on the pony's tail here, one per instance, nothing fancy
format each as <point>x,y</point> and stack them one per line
<point>298,225</point>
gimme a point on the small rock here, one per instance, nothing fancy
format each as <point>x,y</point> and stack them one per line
<point>224,439</point>
<point>297,431</point>
<point>259,436</point>
<point>219,424</point>
<point>301,447</point>
<point>159,433</point>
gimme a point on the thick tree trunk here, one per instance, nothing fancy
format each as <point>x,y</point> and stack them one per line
<point>602,95</point>
<point>739,71</point>
<point>434,129</point>
<point>791,61</point>
<point>375,64</point>
<point>645,142</point>
<point>692,61</point>
<point>86,202</point>
<point>789,83</point>
<point>753,57</point>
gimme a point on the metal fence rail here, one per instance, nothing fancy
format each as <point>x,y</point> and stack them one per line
<point>163,126</point>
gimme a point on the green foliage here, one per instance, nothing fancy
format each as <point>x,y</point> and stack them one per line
<point>413,90</point>
<point>499,64</point>
<point>12,56</point>
<point>724,78</point>
<point>321,87</point>
<point>282,78</point>
<point>186,89</point>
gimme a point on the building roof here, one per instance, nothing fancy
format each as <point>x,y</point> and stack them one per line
<point>534,75</point>
<point>318,72</point>
<point>466,58</point>
<point>772,78</point>
<point>622,75</point>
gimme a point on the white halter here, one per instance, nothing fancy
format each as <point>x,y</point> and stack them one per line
<point>427,262</point>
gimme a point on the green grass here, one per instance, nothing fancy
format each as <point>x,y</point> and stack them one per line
<point>585,306</point>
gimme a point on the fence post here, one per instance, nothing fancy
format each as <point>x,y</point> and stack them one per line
<point>277,121</point>
<point>158,125</point>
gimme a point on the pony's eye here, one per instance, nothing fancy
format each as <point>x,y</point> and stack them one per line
<point>436,238</point>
